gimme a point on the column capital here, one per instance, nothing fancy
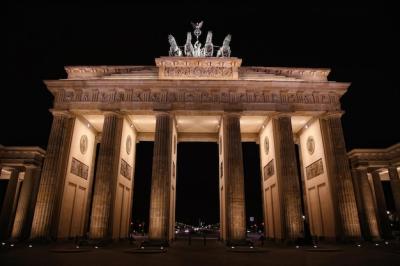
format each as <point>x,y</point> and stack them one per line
<point>63,113</point>
<point>281,115</point>
<point>111,112</point>
<point>332,114</point>
<point>163,113</point>
<point>232,114</point>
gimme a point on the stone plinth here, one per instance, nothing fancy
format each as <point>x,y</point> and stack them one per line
<point>207,68</point>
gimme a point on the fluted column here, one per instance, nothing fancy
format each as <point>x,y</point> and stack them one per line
<point>381,206</point>
<point>45,220</point>
<point>287,178</point>
<point>106,177</point>
<point>347,223</point>
<point>161,179</point>
<point>9,205</point>
<point>365,204</point>
<point>23,215</point>
<point>395,185</point>
<point>234,178</point>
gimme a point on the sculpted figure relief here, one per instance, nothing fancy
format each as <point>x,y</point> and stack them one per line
<point>174,49</point>
<point>195,50</point>
<point>188,49</point>
<point>225,50</point>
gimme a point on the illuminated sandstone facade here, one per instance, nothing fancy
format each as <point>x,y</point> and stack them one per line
<point>110,108</point>
<point>20,168</point>
<point>370,167</point>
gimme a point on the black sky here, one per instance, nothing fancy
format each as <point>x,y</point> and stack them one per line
<point>358,44</point>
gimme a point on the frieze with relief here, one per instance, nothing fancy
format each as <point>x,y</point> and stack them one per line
<point>192,96</point>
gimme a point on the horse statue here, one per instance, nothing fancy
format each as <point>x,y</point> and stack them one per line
<point>188,48</point>
<point>174,49</point>
<point>208,49</point>
<point>225,50</point>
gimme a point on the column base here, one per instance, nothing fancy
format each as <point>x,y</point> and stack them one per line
<point>239,243</point>
<point>154,244</point>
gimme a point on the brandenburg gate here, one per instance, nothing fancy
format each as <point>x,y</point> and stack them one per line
<point>101,112</point>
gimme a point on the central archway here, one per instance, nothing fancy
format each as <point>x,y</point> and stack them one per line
<point>197,195</point>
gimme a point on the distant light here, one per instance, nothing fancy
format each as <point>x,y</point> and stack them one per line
<point>142,247</point>
<point>386,243</point>
<point>359,245</point>
<point>251,246</point>
<point>77,246</point>
<point>2,243</point>
<point>96,247</point>
<point>303,216</point>
<point>186,230</point>
<point>248,231</point>
<point>387,212</point>
<point>315,246</point>
<point>232,247</point>
<point>11,245</point>
<point>297,246</point>
<point>376,244</point>
<point>30,246</point>
<point>161,247</point>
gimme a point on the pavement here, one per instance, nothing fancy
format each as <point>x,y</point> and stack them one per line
<point>212,253</point>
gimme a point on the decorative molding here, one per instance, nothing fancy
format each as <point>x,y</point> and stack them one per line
<point>314,169</point>
<point>126,170</point>
<point>80,169</point>
<point>269,169</point>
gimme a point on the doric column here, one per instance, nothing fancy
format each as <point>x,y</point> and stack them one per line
<point>381,206</point>
<point>234,178</point>
<point>365,204</point>
<point>26,203</point>
<point>45,220</point>
<point>287,177</point>
<point>106,177</point>
<point>9,205</point>
<point>395,185</point>
<point>161,179</point>
<point>348,225</point>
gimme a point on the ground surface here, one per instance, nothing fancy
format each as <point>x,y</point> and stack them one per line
<point>213,253</point>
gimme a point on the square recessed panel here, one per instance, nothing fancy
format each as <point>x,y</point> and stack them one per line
<point>96,121</point>
<point>198,124</point>
<point>251,124</point>
<point>298,122</point>
<point>144,123</point>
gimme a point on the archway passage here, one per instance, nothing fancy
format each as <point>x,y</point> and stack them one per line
<point>197,183</point>
<point>142,187</point>
<point>253,191</point>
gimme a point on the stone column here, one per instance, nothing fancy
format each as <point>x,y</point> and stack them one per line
<point>234,178</point>
<point>338,169</point>
<point>9,205</point>
<point>25,208</point>
<point>365,204</point>
<point>287,178</point>
<point>47,210</point>
<point>161,179</point>
<point>395,185</point>
<point>383,219</point>
<point>106,177</point>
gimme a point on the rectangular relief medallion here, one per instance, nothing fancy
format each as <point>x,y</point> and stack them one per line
<point>79,168</point>
<point>126,169</point>
<point>269,170</point>
<point>314,169</point>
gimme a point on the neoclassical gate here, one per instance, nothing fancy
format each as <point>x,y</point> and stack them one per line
<point>195,99</point>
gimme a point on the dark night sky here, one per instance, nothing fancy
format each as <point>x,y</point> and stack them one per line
<point>358,44</point>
